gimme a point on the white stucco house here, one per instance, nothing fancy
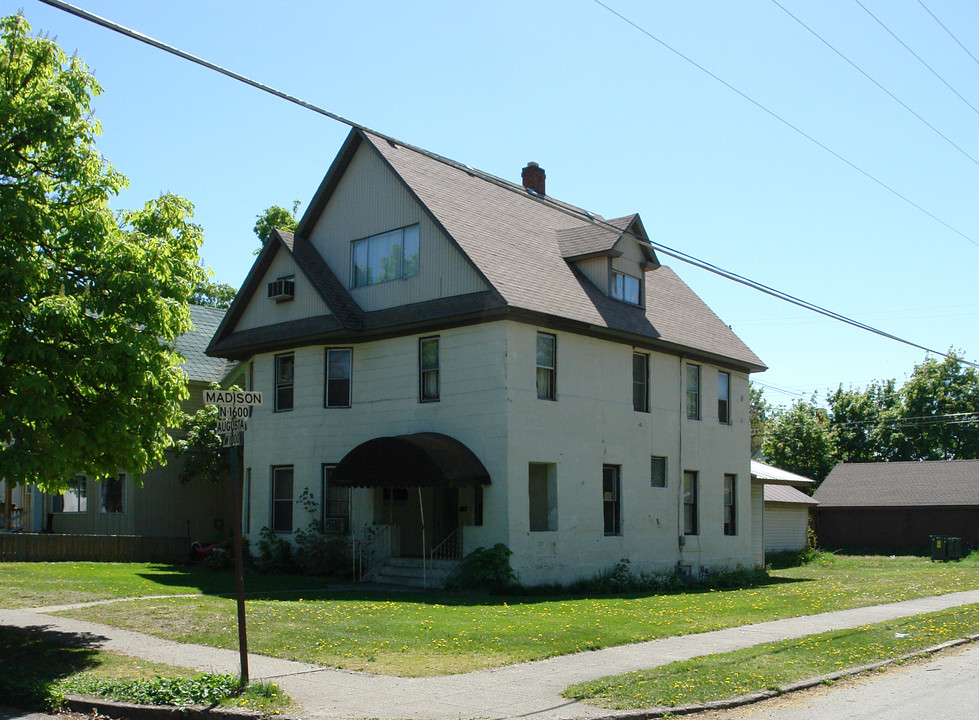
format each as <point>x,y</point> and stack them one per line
<point>455,361</point>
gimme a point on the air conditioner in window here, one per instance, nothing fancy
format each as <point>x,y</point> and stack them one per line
<point>282,289</point>
<point>335,526</point>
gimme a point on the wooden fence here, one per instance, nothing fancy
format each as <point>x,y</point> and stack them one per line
<point>44,547</point>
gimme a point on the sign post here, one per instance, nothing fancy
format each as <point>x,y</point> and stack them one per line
<point>234,408</point>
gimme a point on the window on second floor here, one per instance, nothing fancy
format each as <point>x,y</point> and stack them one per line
<point>640,382</point>
<point>428,369</point>
<point>388,256</point>
<point>693,392</point>
<point>724,398</point>
<point>338,377</point>
<point>657,471</point>
<point>626,288</point>
<point>546,366</point>
<point>284,367</point>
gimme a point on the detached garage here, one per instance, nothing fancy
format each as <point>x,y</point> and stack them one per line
<point>897,506</point>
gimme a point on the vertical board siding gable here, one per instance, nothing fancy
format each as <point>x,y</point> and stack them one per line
<point>262,311</point>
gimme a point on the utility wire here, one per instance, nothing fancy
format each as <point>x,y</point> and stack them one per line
<point>891,95</point>
<point>942,26</point>
<point>577,213</point>
<point>918,57</point>
<point>785,122</point>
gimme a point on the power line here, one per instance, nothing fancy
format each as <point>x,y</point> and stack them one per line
<point>918,57</point>
<point>891,95</point>
<point>577,213</point>
<point>785,122</point>
<point>942,26</point>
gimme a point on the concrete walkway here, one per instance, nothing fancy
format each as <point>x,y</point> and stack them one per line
<point>527,690</point>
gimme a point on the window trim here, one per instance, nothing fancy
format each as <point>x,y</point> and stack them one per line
<point>423,371</point>
<point>615,502</point>
<point>724,416</point>
<point>730,525</point>
<point>695,393</point>
<point>691,502</point>
<point>121,477</point>
<point>644,399</point>
<point>278,386</point>
<point>402,275</point>
<point>276,501</point>
<point>551,390</point>
<point>550,514</point>
<point>327,380</point>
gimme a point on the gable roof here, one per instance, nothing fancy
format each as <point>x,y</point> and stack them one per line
<point>787,495</point>
<point>192,344</point>
<point>901,484</point>
<point>518,243</point>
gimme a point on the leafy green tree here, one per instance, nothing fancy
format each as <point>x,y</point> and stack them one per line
<point>275,217</point>
<point>90,302</point>
<point>216,295</point>
<point>799,439</point>
<point>201,447</point>
<point>939,417</point>
<point>863,421</point>
<point>759,412</point>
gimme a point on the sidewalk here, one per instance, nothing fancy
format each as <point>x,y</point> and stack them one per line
<point>527,690</point>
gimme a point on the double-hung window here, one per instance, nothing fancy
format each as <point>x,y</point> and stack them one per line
<point>428,369</point>
<point>542,491</point>
<point>282,499</point>
<point>640,382</point>
<point>546,366</point>
<point>730,504</point>
<point>388,256</point>
<point>339,363</point>
<point>626,288</point>
<point>689,502</point>
<point>724,398</point>
<point>612,499</point>
<point>285,366</point>
<point>114,494</point>
<point>336,505</point>
<point>693,392</point>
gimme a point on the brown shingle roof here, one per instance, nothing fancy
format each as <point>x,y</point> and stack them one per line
<point>901,484</point>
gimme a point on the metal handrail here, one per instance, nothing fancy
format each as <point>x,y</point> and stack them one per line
<point>449,549</point>
<point>371,552</point>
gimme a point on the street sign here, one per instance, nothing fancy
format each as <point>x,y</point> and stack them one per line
<point>234,409</point>
<point>232,397</point>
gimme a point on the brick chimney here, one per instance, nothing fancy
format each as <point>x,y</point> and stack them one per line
<point>533,177</point>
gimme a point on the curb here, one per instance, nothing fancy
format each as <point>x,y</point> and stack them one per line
<point>741,700</point>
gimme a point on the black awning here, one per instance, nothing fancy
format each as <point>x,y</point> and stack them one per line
<point>419,460</point>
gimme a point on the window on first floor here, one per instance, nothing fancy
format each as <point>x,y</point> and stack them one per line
<point>542,489</point>
<point>640,382</point>
<point>730,504</point>
<point>724,398</point>
<point>690,489</point>
<point>339,374</point>
<point>74,499</point>
<point>546,366</point>
<point>284,371</point>
<point>693,392</point>
<point>246,503</point>
<point>388,256</point>
<point>428,369</point>
<point>282,499</point>
<point>336,505</point>
<point>612,499</point>
<point>114,494</point>
<point>478,505</point>
<point>657,471</point>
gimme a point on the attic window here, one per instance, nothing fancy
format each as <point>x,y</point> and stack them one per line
<point>283,289</point>
<point>388,256</point>
<point>626,287</point>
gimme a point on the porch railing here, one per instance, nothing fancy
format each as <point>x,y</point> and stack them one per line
<point>19,522</point>
<point>449,549</point>
<point>379,542</point>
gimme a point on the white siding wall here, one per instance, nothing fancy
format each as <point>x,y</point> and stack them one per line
<point>369,200</point>
<point>262,311</point>
<point>785,527</point>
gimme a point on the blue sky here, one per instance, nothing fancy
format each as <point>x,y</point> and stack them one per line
<point>620,123</point>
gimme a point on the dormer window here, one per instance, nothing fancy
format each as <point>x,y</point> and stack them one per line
<point>283,289</point>
<point>626,287</point>
<point>388,256</point>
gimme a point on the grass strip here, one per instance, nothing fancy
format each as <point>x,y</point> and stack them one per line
<point>38,668</point>
<point>774,665</point>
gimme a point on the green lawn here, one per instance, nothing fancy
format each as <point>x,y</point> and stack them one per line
<point>430,634</point>
<point>775,665</point>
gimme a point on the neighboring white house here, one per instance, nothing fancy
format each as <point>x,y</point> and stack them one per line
<point>782,509</point>
<point>483,364</point>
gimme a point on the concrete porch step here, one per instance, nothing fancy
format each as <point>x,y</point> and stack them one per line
<point>411,572</point>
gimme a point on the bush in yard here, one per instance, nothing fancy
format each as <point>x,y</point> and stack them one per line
<point>273,553</point>
<point>484,569</point>
<point>321,554</point>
